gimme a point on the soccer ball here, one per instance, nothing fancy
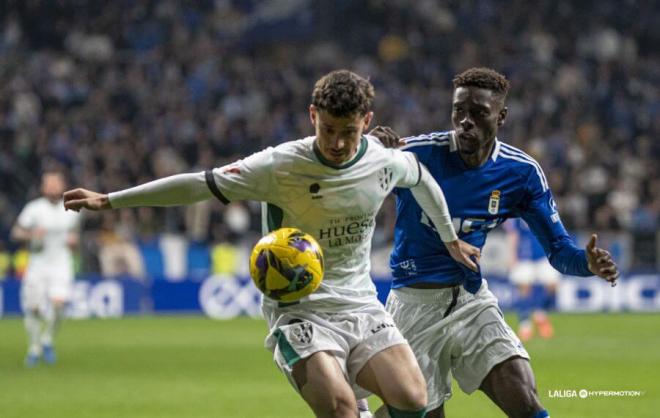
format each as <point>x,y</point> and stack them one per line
<point>287,264</point>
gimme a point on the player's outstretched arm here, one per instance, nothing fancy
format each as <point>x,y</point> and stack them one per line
<point>181,189</point>
<point>601,262</point>
<point>80,198</point>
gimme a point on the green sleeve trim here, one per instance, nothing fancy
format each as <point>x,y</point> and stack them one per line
<point>274,216</point>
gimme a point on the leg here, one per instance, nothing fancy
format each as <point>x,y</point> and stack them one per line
<point>32,323</point>
<point>393,375</point>
<point>438,412</point>
<point>32,300</point>
<point>53,318</point>
<point>323,386</point>
<point>524,308</point>
<point>549,277</point>
<point>511,386</point>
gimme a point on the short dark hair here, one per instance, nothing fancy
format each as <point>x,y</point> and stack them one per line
<point>485,78</point>
<point>343,93</point>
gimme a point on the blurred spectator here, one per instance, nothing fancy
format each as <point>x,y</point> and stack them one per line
<point>123,92</point>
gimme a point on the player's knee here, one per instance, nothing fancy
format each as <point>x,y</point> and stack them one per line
<point>343,406</point>
<point>413,398</point>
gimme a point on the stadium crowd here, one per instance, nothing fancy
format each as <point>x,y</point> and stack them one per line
<point>124,91</point>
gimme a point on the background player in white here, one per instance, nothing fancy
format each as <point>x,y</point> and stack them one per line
<point>50,233</point>
<point>339,341</point>
<point>528,265</point>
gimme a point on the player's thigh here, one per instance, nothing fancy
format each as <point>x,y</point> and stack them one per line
<point>512,387</point>
<point>523,273</point>
<point>485,343</point>
<point>323,385</point>
<point>33,291</point>
<point>60,287</point>
<point>547,275</point>
<point>393,375</point>
<point>420,318</point>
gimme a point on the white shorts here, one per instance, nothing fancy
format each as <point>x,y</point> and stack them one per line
<point>529,272</point>
<point>467,344</point>
<point>352,338</point>
<point>41,286</point>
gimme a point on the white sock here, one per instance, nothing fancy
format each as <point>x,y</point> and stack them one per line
<point>53,318</point>
<point>32,324</point>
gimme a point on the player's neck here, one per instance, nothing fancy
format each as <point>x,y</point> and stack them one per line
<point>479,158</point>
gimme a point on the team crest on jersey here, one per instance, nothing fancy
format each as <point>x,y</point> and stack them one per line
<point>303,332</point>
<point>385,178</point>
<point>494,202</point>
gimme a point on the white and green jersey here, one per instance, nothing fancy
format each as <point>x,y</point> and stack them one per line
<point>335,204</point>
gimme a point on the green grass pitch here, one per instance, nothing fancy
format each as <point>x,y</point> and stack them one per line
<point>195,367</point>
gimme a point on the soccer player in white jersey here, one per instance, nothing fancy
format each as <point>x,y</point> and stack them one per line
<point>339,341</point>
<point>50,233</point>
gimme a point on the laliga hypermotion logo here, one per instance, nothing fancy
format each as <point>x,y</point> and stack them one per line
<point>494,202</point>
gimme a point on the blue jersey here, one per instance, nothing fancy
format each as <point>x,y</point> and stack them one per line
<point>528,246</point>
<point>510,184</point>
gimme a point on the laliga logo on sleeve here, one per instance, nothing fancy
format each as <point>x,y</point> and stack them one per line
<point>494,202</point>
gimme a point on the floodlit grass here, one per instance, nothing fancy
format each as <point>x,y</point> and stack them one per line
<point>195,367</point>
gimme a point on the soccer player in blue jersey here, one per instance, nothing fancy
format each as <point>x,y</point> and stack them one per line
<point>528,265</point>
<point>446,312</point>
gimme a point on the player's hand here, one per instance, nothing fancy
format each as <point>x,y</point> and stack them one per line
<point>77,199</point>
<point>37,234</point>
<point>601,262</point>
<point>464,253</point>
<point>387,137</point>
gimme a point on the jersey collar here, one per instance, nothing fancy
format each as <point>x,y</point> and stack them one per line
<point>496,150</point>
<point>358,155</point>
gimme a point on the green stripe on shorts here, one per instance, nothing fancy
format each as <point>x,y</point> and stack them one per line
<point>285,348</point>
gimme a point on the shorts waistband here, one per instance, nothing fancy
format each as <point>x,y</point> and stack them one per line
<point>444,296</point>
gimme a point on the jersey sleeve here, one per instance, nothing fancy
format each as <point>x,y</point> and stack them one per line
<point>27,219</point>
<point>247,179</point>
<point>406,169</point>
<point>540,213</point>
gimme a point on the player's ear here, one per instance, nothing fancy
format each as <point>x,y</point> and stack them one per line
<point>501,117</point>
<point>367,119</point>
<point>312,114</point>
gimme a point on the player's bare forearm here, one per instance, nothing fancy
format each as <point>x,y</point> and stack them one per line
<point>20,234</point>
<point>601,263</point>
<point>73,240</point>
<point>79,198</point>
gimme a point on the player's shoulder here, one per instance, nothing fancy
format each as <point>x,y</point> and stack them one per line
<point>285,151</point>
<point>520,161</point>
<point>296,146</point>
<point>36,204</point>
<point>507,154</point>
<point>433,139</point>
